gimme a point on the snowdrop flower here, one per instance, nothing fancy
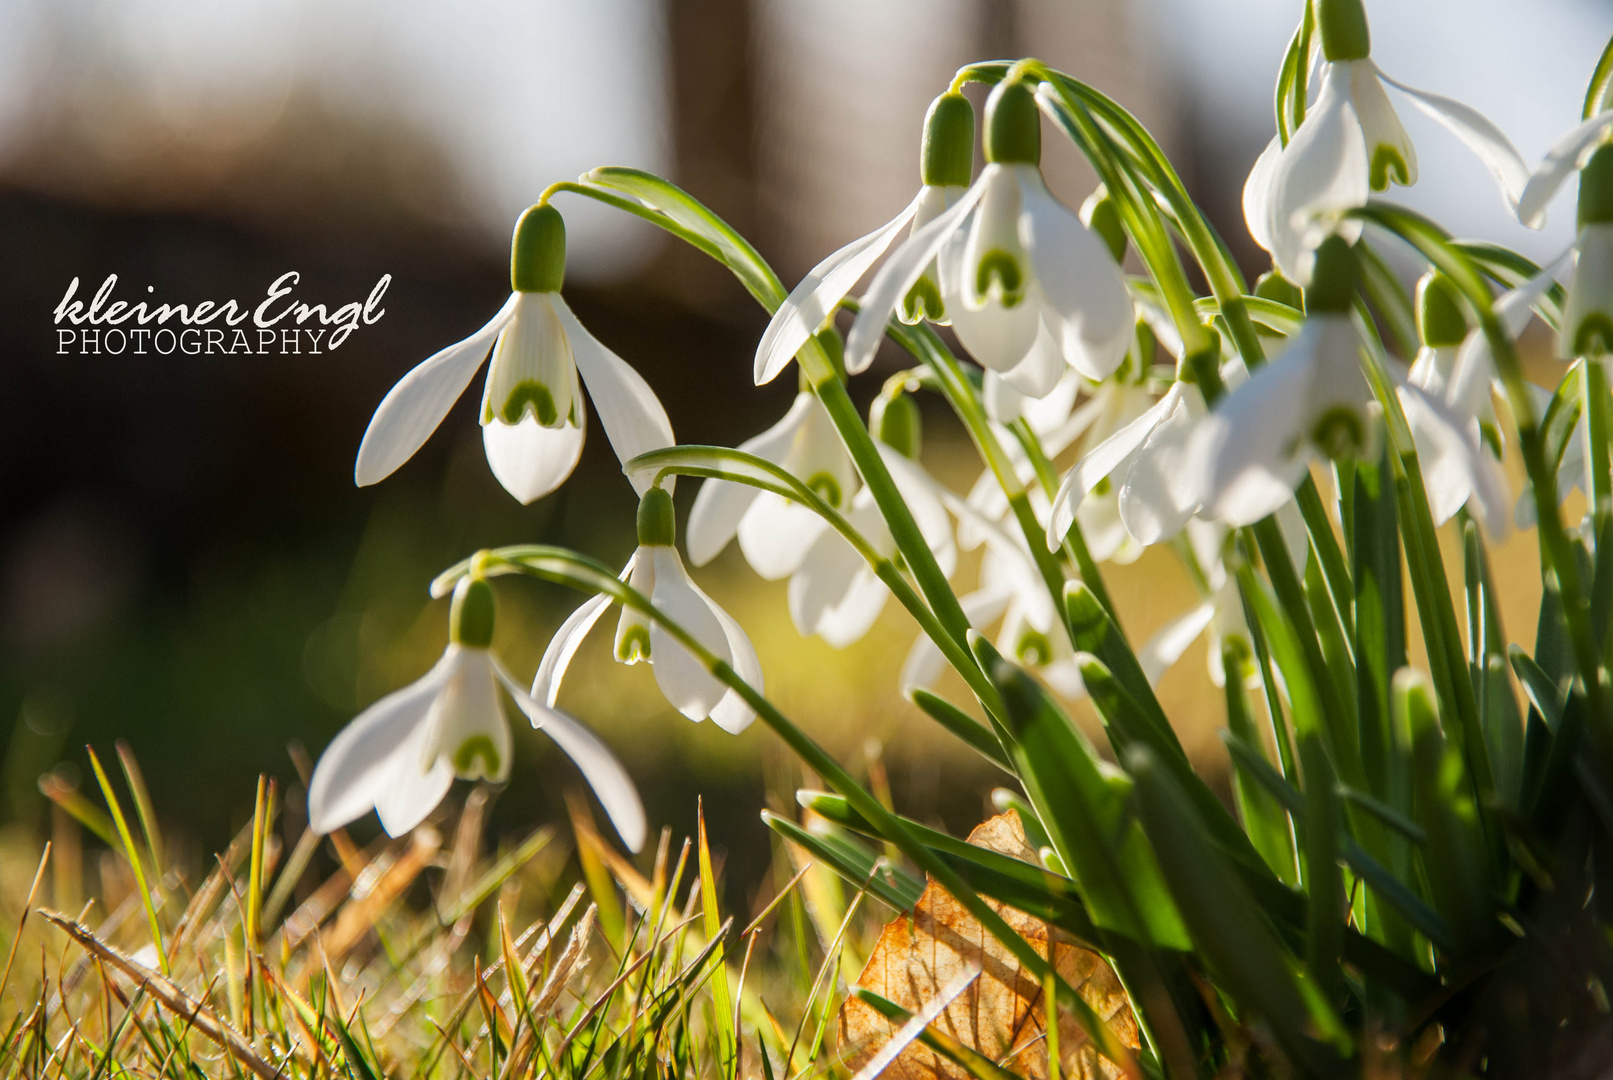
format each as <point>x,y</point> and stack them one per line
<point>533,415</point>
<point>1352,143</point>
<point>400,755</point>
<point>656,571</point>
<point>1587,322</point>
<point>945,164</point>
<point>1310,401</point>
<point>1459,463</point>
<point>1145,463</point>
<point>1028,287</point>
<point>774,532</point>
<point>835,593</point>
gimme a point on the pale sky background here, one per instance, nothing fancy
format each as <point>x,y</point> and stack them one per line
<point>522,93</point>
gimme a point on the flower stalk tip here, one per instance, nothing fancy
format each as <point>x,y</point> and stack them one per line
<point>1013,125</point>
<point>1343,24</point>
<point>1332,287</point>
<point>1596,188</point>
<point>894,420</point>
<point>471,613</point>
<point>656,525</point>
<point>946,157</point>
<point>538,251</point>
<point>1440,319</point>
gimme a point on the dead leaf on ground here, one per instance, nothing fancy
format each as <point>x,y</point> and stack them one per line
<point>1001,1014</point>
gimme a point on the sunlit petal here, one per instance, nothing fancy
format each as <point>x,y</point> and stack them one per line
<point>631,414</point>
<point>825,285</point>
<point>413,408</point>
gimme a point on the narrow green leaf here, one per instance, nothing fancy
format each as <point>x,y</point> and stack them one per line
<point>1241,950</point>
<point>961,724</point>
<point>857,864</point>
<point>1264,819</point>
<point>1455,855</point>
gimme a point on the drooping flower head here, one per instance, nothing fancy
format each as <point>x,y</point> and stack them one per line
<point>533,416</point>
<point>1352,143</point>
<point>656,571</point>
<point>399,756</point>
<point>1587,327</point>
<point>946,161</point>
<point>1311,401</point>
<point>1028,287</point>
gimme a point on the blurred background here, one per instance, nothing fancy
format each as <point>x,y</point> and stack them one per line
<point>184,560</point>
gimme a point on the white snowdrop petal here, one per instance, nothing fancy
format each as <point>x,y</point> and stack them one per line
<point>1098,463</point>
<point>568,639</point>
<point>611,783</point>
<point>414,408</point>
<point>413,789</point>
<point>1380,125</point>
<point>683,678</point>
<point>631,414</point>
<point>1323,170</point>
<point>720,505</point>
<point>1560,162</point>
<point>1040,371</point>
<point>825,285</point>
<point>897,276</point>
<point>1158,495</point>
<point>1479,135</point>
<point>1160,652</point>
<point>775,534</point>
<point>1257,193</point>
<point>358,762</point>
<point>529,460</point>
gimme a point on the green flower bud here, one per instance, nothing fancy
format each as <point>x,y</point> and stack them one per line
<point>1596,188</point>
<point>1343,25</point>
<point>656,525</point>
<point>947,157</point>
<point>1440,319</point>
<point>1332,288</point>
<point>894,420</point>
<point>1013,125</point>
<point>538,251</point>
<point>1101,214</point>
<point>1273,286</point>
<point>470,615</point>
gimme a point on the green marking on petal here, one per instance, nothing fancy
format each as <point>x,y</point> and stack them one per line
<point>530,394</point>
<point>923,301</point>
<point>1033,649</point>
<point>1102,487</point>
<point>1340,432</point>
<point>826,488</point>
<point>1237,658</point>
<point>476,747</point>
<point>1491,434</point>
<point>1005,268</point>
<point>633,644</point>
<point>1594,335</point>
<point>1387,159</point>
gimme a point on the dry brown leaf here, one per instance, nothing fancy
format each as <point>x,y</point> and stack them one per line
<point>1002,1014</point>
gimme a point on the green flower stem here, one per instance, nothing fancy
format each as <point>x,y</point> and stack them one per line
<point>1136,209</point>
<point>1075,544</point>
<point>1556,544</point>
<point>1599,433</point>
<point>569,568</point>
<point>654,217</point>
<point>898,518</point>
